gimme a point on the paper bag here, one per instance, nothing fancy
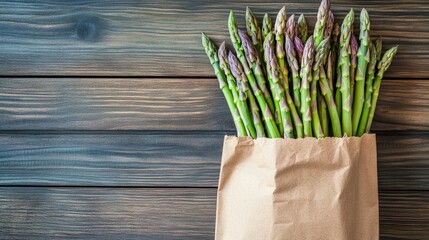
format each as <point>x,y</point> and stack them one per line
<point>286,189</point>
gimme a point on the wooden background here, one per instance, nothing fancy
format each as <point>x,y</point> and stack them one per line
<point>111,121</point>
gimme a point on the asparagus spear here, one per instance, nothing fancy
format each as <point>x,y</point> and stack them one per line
<point>302,28</point>
<point>210,49</point>
<point>274,76</point>
<point>324,119</point>
<point>329,72</point>
<point>254,31</point>
<point>378,47</point>
<point>321,55</point>
<point>368,88</point>
<point>255,63</point>
<point>344,61</point>
<point>267,26</point>
<point>382,67</point>
<point>291,27</point>
<point>322,18</point>
<point>305,74</point>
<point>299,47</point>
<point>353,62</point>
<point>240,97</point>
<point>363,60</point>
<point>294,66</point>
<point>336,71</point>
<point>267,116</point>
<point>236,41</point>
<point>329,99</point>
<point>243,85</point>
<point>280,29</point>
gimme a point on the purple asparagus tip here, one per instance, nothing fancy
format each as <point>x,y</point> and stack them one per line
<point>249,49</point>
<point>354,48</point>
<point>299,46</point>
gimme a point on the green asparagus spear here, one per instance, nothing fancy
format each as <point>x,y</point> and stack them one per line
<point>255,63</point>
<point>382,67</point>
<point>240,97</point>
<point>294,66</point>
<point>329,99</point>
<point>378,48</point>
<point>210,49</point>
<point>305,74</point>
<point>254,31</point>
<point>336,66</point>
<point>280,30</point>
<point>344,61</point>
<point>243,84</point>
<point>353,64</point>
<point>322,18</point>
<point>363,60</point>
<point>324,119</point>
<point>237,71</point>
<point>321,56</point>
<point>302,28</point>
<point>274,76</point>
<point>329,70</point>
<point>267,26</point>
<point>368,88</point>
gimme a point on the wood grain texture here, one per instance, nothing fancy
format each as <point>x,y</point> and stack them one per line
<point>164,104</point>
<point>155,214</point>
<point>162,160</point>
<point>162,38</point>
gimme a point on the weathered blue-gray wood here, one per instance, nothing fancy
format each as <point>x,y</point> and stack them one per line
<point>162,38</point>
<point>159,214</point>
<point>164,104</point>
<point>161,159</point>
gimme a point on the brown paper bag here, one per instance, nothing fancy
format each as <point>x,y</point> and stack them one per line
<point>285,189</point>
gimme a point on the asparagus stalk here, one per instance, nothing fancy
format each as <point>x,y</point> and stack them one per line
<point>344,61</point>
<point>280,29</point>
<point>382,67</point>
<point>322,18</point>
<point>267,26</point>
<point>324,119</point>
<point>254,31</point>
<point>378,47</point>
<point>329,72</point>
<point>243,84</point>
<point>267,116</point>
<point>274,76</point>
<point>236,41</point>
<point>368,88</point>
<point>321,55</point>
<point>294,66</point>
<point>291,27</point>
<point>329,99</point>
<point>302,28</point>
<point>336,64</point>
<point>293,62</point>
<point>363,60</point>
<point>255,63</point>
<point>210,49</point>
<point>305,74</point>
<point>353,62</point>
<point>240,97</point>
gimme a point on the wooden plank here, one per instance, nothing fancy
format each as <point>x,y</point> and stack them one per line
<point>162,38</point>
<point>103,213</point>
<point>164,104</point>
<point>162,160</point>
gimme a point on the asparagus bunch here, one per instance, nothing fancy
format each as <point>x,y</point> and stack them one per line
<point>284,82</point>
